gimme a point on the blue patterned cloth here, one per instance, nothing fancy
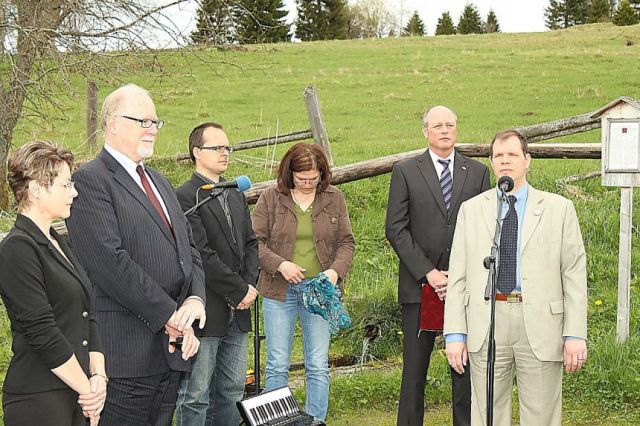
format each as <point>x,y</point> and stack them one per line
<point>323,298</point>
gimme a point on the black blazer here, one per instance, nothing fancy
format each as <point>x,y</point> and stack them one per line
<point>228,267</point>
<point>418,225</point>
<point>140,272</point>
<point>47,300</point>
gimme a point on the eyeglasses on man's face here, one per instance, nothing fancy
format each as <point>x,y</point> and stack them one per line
<point>145,123</point>
<point>220,149</point>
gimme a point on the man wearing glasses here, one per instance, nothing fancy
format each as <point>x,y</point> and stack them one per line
<point>229,249</point>
<point>135,243</point>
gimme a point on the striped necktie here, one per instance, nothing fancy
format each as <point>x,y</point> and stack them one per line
<point>446,183</point>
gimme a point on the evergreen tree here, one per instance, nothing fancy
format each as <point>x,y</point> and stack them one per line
<point>553,15</point>
<point>445,25</point>
<point>470,21</point>
<point>578,11</point>
<point>599,11</point>
<point>492,25</point>
<point>262,21</point>
<point>566,13</point>
<point>216,23</point>
<point>625,14</point>
<point>322,20</point>
<point>336,19</point>
<point>415,26</point>
<point>308,20</point>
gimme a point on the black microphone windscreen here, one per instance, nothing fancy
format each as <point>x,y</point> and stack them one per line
<point>505,183</point>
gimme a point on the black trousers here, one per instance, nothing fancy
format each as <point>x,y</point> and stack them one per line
<point>416,354</point>
<point>141,401</point>
<point>55,408</point>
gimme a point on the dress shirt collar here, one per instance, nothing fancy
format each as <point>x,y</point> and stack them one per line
<point>127,163</point>
<point>439,167</point>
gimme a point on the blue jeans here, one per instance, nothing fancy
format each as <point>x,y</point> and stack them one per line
<point>209,393</point>
<point>279,323</point>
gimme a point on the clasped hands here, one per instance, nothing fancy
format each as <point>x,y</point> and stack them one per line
<point>92,402</point>
<point>180,324</point>
<point>438,280</point>
<point>294,274</point>
<point>248,299</point>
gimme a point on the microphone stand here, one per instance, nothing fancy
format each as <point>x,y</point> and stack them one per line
<point>492,263</point>
<point>213,194</point>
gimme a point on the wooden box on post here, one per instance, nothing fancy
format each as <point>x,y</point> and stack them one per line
<point>621,167</point>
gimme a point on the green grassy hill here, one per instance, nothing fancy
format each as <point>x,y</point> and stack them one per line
<point>373,93</point>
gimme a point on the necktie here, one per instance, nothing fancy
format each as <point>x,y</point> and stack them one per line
<point>508,249</point>
<point>152,196</point>
<point>446,183</point>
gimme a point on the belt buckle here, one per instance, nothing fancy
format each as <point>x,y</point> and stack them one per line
<point>513,298</point>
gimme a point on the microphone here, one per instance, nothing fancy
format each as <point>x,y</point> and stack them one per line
<point>242,183</point>
<point>505,183</point>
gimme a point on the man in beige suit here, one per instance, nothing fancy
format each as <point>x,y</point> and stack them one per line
<point>541,302</point>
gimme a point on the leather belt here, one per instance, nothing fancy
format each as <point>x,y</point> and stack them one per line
<point>511,297</point>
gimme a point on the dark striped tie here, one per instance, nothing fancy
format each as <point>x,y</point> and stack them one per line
<point>508,249</point>
<point>446,183</point>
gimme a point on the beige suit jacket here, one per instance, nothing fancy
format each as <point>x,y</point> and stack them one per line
<point>552,267</point>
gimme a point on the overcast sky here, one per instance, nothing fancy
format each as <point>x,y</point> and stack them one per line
<point>513,15</point>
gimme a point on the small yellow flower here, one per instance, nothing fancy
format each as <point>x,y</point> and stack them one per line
<point>399,332</point>
<point>598,302</point>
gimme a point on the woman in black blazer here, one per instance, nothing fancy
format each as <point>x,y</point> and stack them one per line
<point>57,373</point>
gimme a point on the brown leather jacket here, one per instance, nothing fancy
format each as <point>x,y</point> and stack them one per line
<point>275,224</point>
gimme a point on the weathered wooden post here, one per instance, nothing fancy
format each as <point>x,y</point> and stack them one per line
<point>92,114</point>
<point>316,121</point>
<point>621,167</point>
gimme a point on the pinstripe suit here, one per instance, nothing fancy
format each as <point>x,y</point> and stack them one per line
<point>141,273</point>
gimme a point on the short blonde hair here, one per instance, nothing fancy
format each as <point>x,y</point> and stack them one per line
<point>39,161</point>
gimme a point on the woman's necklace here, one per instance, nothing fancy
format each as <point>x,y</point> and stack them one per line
<point>304,205</point>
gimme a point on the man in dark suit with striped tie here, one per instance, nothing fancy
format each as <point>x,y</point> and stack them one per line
<point>136,245</point>
<point>424,197</point>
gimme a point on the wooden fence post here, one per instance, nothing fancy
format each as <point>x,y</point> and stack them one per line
<point>92,114</point>
<point>316,121</point>
<point>624,264</point>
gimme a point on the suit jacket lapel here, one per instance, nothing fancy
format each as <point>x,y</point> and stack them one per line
<point>533,213</point>
<point>459,177</point>
<point>425,165</point>
<point>490,212</point>
<point>214,206</point>
<point>124,179</point>
<point>75,268</point>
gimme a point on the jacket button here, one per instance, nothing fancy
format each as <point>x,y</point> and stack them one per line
<point>85,314</point>
<point>85,343</point>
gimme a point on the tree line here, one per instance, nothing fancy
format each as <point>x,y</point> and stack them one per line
<point>567,13</point>
<point>221,22</point>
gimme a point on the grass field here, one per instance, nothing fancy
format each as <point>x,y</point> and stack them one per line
<point>373,93</point>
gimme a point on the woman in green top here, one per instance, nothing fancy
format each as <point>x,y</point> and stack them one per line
<point>303,229</point>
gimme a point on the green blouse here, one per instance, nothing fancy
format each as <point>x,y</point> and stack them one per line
<point>304,249</point>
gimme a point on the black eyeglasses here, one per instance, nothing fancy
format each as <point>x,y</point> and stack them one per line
<point>220,149</point>
<point>145,123</point>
